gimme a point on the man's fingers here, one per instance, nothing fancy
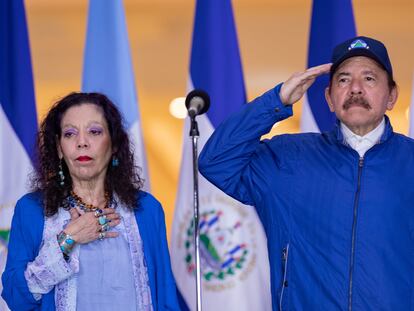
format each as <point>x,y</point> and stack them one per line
<point>294,88</point>
<point>321,69</point>
<point>314,72</point>
<point>307,83</point>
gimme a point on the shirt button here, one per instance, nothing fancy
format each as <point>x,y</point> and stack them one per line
<point>277,109</point>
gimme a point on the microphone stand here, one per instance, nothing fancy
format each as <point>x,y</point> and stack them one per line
<point>195,134</point>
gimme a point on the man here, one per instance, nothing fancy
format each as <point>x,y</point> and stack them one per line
<point>337,207</point>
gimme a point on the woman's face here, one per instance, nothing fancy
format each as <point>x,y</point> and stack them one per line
<point>85,143</point>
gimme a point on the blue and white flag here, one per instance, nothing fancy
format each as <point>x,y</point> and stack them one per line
<point>411,125</point>
<point>234,261</point>
<point>332,22</point>
<point>18,120</point>
<point>108,69</point>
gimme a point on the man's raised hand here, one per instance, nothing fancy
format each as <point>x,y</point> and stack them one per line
<point>293,88</point>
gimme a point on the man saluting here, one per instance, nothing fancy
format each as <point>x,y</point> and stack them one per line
<point>337,207</point>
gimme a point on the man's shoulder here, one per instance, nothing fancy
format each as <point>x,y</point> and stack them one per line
<point>300,139</point>
<point>404,140</point>
<point>293,146</point>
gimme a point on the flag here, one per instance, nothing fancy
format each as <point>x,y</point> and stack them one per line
<point>233,251</point>
<point>332,23</point>
<point>108,69</point>
<point>411,125</point>
<point>18,120</point>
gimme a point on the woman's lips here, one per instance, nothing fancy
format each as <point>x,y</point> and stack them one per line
<point>83,158</point>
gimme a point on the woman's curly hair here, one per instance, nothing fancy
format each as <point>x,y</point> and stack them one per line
<point>122,180</point>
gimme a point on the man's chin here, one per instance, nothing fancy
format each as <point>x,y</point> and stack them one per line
<point>361,125</point>
<point>355,118</point>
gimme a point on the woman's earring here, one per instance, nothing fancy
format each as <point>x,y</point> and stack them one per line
<point>115,161</point>
<point>61,175</point>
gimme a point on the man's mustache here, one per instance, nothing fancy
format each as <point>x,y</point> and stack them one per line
<point>358,101</point>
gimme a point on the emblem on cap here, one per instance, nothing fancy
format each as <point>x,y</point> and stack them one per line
<point>358,44</point>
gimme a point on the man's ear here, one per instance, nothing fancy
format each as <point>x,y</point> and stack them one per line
<point>392,98</point>
<point>328,99</point>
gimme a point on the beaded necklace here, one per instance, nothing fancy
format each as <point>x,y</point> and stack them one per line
<point>75,200</point>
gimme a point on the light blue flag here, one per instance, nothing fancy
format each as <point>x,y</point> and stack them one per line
<point>108,68</point>
<point>18,120</point>
<point>332,22</point>
<point>233,255</point>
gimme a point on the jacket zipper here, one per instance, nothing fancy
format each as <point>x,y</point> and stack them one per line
<point>285,256</point>
<point>354,222</point>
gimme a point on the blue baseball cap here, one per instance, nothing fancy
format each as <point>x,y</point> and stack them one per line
<point>361,46</point>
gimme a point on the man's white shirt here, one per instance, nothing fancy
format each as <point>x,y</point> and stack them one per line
<point>362,143</point>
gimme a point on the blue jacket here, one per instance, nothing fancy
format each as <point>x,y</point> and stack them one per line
<point>340,228</point>
<point>26,237</point>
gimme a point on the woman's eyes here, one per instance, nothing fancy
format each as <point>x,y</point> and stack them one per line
<point>68,134</point>
<point>95,131</point>
<point>92,131</point>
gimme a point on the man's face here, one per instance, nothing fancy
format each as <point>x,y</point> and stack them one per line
<point>360,95</point>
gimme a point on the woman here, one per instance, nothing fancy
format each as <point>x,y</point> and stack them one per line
<point>87,238</point>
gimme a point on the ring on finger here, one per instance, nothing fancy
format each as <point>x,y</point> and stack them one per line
<point>104,227</point>
<point>102,220</point>
<point>98,213</point>
<point>101,236</point>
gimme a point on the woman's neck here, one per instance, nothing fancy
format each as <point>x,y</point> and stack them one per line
<point>90,192</point>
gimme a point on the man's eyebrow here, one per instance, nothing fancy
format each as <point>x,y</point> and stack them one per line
<point>371,72</point>
<point>343,73</point>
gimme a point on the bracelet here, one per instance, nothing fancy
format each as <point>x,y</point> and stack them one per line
<point>66,244</point>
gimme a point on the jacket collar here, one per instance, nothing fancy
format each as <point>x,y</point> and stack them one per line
<point>388,131</point>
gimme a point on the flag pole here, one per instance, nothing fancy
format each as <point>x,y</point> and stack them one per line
<point>195,134</point>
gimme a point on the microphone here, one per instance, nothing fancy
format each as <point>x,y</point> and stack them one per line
<point>197,102</point>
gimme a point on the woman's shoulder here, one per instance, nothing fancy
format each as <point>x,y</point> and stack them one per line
<point>30,200</point>
<point>30,207</point>
<point>146,198</point>
<point>147,203</point>
<point>34,197</point>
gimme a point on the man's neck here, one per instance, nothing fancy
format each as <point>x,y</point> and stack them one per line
<point>363,130</point>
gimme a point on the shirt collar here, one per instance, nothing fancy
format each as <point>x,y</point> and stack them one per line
<point>373,137</point>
